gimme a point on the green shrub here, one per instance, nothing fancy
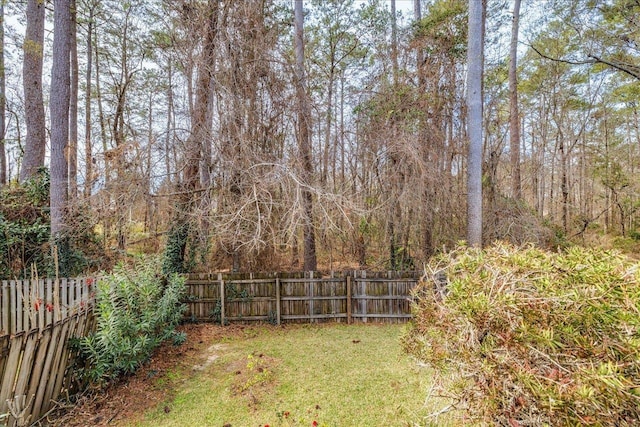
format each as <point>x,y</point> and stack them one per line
<point>136,309</point>
<point>528,337</point>
<point>25,237</point>
<point>24,226</point>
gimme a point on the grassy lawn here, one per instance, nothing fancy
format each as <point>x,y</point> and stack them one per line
<point>335,375</point>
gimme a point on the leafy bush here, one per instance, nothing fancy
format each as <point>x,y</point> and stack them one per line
<point>25,237</point>
<point>24,226</point>
<point>136,309</point>
<point>528,337</point>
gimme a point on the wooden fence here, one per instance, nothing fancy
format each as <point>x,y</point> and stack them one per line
<point>33,368</point>
<point>30,304</point>
<point>37,318</point>
<point>357,296</point>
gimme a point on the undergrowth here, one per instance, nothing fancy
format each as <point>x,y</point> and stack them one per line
<point>527,337</point>
<point>25,236</point>
<point>137,308</point>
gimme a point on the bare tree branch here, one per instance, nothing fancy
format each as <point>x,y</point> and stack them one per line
<point>564,61</point>
<point>630,69</point>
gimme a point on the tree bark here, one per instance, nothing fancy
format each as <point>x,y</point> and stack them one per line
<point>514,116</point>
<point>106,229</point>
<point>3,155</point>
<point>32,84</point>
<point>417,12</point>
<point>169,130</point>
<point>73,105</point>
<point>304,141</point>
<point>148,214</point>
<point>182,229</point>
<point>59,110</point>
<point>88,148</point>
<point>200,126</point>
<point>394,42</point>
<point>475,59</point>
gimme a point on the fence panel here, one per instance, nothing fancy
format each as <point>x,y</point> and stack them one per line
<point>294,298</point>
<point>30,304</point>
<point>250,300</point>
<point>34,367</point>
<point>387,300</point>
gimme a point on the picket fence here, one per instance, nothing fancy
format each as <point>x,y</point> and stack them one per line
<point>354,296</point>
<point>30,304</point>
<point>38,317</point>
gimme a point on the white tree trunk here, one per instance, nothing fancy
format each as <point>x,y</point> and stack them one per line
<point>475,59</point>
<point>3,158</point>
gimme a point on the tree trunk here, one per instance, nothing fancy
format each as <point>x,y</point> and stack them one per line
<point>32,84</point>
<point>564,151</point>
<point>394,42</point>
<point>206,154</point>
<point>88,149</point>
<point>475,59</point>
<point>148,214</point>
<point>304,141</point>
<point>106,229</point>
<point>417,12</point>
<point>59,110</point>
<point>329,118</point>
<point>200,128</point>
<point>182,230</point>
<point>73,106</point>
<point>3,155</point>
<point>169,130</point>
<point>514,119</point>
<point>101,116</point>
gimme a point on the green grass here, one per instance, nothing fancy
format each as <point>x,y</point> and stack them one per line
<point>335,375</point>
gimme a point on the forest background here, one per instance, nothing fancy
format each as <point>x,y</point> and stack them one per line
<point>215,133</point>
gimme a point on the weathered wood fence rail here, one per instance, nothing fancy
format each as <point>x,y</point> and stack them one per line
<point>37,318</point>
<point>29,304</point>
<point>357,296</point>
<point>33,368</point>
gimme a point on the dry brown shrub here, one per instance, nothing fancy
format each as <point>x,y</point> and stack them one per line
<point>525,337</point>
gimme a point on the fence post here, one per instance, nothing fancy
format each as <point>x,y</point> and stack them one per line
<point>389,287</point>
<point>24,305</point>
<point>64,283</point>
<point>278,300</point>
<point>64,297</point>
<point>363,301</point>
<point>47,299</point>
<point>349,320</point>
<point>221,299</point>
<point>26,314</point>
<point>310,294</point>
<point>41,295</point>
<point>14,306</point>
<point>5,307</point>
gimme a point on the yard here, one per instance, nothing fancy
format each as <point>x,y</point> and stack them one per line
<point>335,375</point>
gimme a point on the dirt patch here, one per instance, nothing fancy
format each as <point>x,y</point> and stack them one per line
<point>151,385</point>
